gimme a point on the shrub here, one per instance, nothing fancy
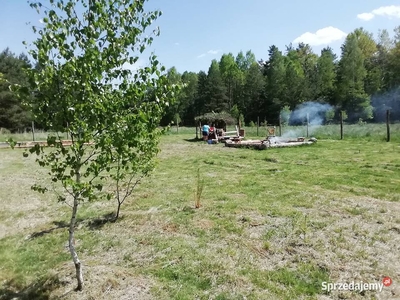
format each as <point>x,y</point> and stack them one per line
<point>285,115</point>
<point>4,131</point>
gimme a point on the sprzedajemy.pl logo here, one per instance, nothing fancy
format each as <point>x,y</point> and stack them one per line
<point>356,286</point>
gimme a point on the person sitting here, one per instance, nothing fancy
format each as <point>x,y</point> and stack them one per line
<point>212,133</point>
<point>212,128</point>
<point>205,131</point>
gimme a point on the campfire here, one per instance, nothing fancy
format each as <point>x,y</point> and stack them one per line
<point>270,142</point>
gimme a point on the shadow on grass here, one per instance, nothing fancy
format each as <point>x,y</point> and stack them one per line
<point>59,224</point>
<point>93,224</point>
<point>39,290</point>
<point>98,223</point>
<point>194,140</point>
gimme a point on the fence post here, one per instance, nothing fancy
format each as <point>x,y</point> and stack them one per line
<point>33,130</point>
<point>258,123</point>
<point>388,125</point>
<point>200,130</point>
<point>266,127</point>
<point>341,125</point>
<point>280,126</point>
<point>308,121</point>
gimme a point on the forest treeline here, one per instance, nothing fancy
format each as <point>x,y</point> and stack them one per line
<point>364,82</point>
<point>13,115</point>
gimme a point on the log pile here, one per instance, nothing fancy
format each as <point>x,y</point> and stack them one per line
<point>270,142</point>
<point>252,144</point>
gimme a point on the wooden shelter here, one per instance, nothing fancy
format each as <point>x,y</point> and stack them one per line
<point>219,121</point>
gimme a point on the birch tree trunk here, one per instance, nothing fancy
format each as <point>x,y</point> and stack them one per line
<point>71,240</point>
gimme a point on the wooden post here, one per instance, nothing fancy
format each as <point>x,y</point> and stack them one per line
<point>258,124</point>
<point>201,134</point>
<point>33,130</point>
<point>177,124</point>
<point>197,131</point>
<point>341,125</point>
<point>280,126</point>
<point>308,121</point>
<point>67,131</point>
<point>388,125</point>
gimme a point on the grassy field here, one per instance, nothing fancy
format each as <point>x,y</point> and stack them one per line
<point>273,224</point>
<point>365,132</point>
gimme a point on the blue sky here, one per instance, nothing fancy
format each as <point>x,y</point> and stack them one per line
<point>193,32</point>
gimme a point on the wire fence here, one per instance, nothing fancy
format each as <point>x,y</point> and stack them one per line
<point>363,131</point>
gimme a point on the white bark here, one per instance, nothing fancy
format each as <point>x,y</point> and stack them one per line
<point>71,240</point>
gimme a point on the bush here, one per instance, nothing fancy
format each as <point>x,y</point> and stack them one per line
<point>361,121</point>
<point>285,115</point>
<point>4,131</point>
<point>329,115</point>
<point>241,120</point>
<point>252,124</point>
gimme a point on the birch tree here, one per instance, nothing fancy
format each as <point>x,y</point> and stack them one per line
<point>87,83</point>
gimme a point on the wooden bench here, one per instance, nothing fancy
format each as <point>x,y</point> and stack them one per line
<point>225,135</point>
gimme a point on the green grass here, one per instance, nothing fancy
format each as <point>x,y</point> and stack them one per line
<point>364,132</point>
<point>273,224</point>
<point>31,256</point>
<point>305,279</point>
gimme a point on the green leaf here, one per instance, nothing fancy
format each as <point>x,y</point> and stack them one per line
<point>73,92</point>
<point>11,142</point>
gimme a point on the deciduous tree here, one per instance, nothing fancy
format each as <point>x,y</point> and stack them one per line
<point>85,79</point>
<point>216,98</point>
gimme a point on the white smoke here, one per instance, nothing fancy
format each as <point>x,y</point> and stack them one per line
<point>386,101</point>
<point>311,112</point>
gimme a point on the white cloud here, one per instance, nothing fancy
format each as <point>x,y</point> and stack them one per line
<point>133,67</point>
<point>211,52</point>
<point>366,16</point>
<point>322,36</point>
<point>128,66</point>
<point>388,11</point>
<point>392,11</point>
